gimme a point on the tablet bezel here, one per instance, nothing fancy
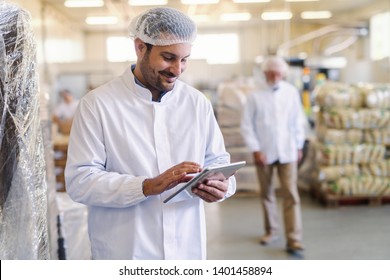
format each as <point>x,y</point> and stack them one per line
<point>227,170</point>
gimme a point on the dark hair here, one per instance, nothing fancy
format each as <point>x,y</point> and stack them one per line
<point>149,46</point>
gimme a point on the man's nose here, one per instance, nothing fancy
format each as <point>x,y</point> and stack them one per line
<point>177,68</point>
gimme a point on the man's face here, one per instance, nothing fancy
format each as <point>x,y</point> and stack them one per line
<point>68,98</point>
<point>273,77</point>
<point>162,65</point>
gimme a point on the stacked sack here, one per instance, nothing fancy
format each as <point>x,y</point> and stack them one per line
<point>231,97</point>
<point>352,128</point>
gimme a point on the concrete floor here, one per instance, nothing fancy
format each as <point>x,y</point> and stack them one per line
<point>343,233</point>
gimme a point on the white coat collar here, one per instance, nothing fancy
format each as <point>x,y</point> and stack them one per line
<point>142,92</point>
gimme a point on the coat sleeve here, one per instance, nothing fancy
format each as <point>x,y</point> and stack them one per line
<point>300,123</point>
<point>87,180</point>
<point>248,120</point>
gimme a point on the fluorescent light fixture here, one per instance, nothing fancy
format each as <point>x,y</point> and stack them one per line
<point>195,2</point>
<point>285,15</point>
<point>83,3</point>
<point>301,0</point>
<point>147,3</point>
<point>251,1</point>
<point>316,14</point>
<point>101,20</point>
<point>326,62</point>
<point>235,17</point>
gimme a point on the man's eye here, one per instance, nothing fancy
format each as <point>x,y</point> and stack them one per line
<point>169,58</point>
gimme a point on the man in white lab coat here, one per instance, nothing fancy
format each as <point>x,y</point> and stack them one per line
<point>136,138</point>
<point>273,128</point>
<point>64,111</point>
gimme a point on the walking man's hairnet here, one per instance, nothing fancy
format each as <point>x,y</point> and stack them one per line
<point>162,27</point>
<point>275,63</point>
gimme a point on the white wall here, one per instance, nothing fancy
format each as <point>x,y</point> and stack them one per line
<point>58,39</point>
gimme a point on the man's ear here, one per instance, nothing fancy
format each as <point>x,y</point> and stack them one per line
<point>140,47</point>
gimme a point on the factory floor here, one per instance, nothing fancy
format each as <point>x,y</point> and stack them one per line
<point>352,232</point>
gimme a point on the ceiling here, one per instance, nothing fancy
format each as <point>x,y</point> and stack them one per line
<point>344,11</point>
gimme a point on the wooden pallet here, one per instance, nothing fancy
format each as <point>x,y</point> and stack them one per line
<point>334,200</point>
<point>60,156</point>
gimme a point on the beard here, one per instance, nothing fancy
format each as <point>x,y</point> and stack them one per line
<point>152,78</point>
<point>273,84</point>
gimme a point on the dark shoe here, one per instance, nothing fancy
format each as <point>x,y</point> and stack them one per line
<point>268,239</point>
<point>295,248</point>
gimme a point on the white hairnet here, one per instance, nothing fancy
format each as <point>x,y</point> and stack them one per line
<point>162,27</point>
<point>275,63</point>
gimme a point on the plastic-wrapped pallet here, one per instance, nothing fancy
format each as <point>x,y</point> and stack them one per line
<point>352,130</point>
<point>231,98</point>
<point>23,189</point>
<point>73,225</point>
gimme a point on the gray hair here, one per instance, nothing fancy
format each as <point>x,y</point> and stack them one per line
<point>275,63</point>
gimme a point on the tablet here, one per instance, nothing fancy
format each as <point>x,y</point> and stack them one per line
<point>217,172</point>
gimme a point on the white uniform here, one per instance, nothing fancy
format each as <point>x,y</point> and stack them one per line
<point>66,111</point>
<point>120,137</point>
<point>273,122</point>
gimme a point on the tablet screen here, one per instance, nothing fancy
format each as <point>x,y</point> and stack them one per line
<point>219,172</point>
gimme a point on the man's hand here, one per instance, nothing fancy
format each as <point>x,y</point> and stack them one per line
<point>260,158</point>
<point>213,189</point>
<point>300,155</point>
<point>170,178</point>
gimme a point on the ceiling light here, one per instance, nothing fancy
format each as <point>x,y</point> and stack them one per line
<point>235,17</point>
<point>251,1</point>
<point>301,0</point>
<point>147,3</point>
<point>326,62</point>
<point>97,20</point>
<point>286,15</point>
<point>83,3</point>
<point>316,14</point>
<point>192,2</point>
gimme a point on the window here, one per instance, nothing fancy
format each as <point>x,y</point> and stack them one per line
<point>120,49</point>
<point>216,48</point>
<point>71,50</point>
<point>380,36</point>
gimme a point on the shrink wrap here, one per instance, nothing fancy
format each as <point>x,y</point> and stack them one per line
<point>23,191</point>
